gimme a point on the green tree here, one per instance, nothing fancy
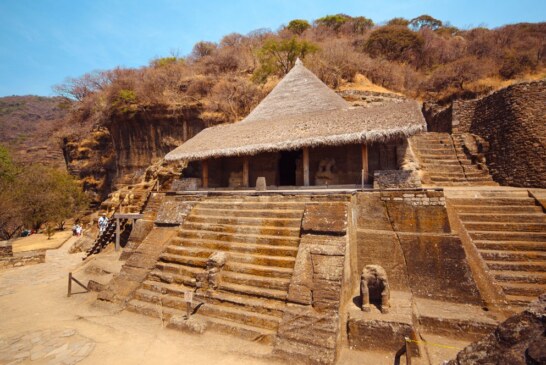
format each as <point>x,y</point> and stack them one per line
<point>360,24</point>
<point>10,213</point>
<point>48,195</point>
<point>298,26</point>
<point>399,21</point>
<point>425,21</point>
<point>394,43</point>
<point>279,56</point>
<point>333,21</point>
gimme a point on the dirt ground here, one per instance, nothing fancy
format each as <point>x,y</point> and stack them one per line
<point>41,325</point>
<point>39,241</point>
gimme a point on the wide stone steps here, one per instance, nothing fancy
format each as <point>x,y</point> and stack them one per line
<point>520,276</point>
<point>244,229</point>
<point>508,236</point>
<point>255,280</point>
<point>247,221</point>
<point>258,239</point>
<point>511,246</point>
<point>505,226</point>
<point>253,291</point>
<point>240,247</point>
<point>498,255</point>
<point>250,205</point>
<point>497,218</point>
<point>501,209</point>
<point>520,300</point>
<point>516,266</point>
<point>518,201</point>
<point>249,213</point>
<point>525,289</point>
<point>198,257</point>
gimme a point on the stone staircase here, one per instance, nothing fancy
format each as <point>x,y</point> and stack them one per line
<point>508,229</point>
<point>444,162</point>
<point>260,236</point>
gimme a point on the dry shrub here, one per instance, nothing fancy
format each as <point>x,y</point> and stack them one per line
<point>335,63</point>
<point>234,97</point>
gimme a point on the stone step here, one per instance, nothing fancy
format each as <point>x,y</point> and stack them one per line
<point>511,245</point>
<point>510,218</point>
<point>498,255</point>
<point>255,280</point>
<point>249,213</point>
<point>270,271</point>
<point>243,229</point>
<point>243,247</point>
<point>507,193</point>
<point>253,291</point>
<point>439,164</point>
<point>533,266</point>
<point>152,309</point>
<point>239,315</point>
<point>502,209</point>
<point>524,289</point>
<point>260,239</point>
<point>171,277</point>
<point>495,201</point>
<point>258,305</point>
<point>175,268</point>
<point>505,226</point>
<point>250,333</point>
<point>520,300</point>
<point>250,205</point>
<point>248,221</point>
<point>443,168</point>
<point>234,257</point>
<point>507,236</point>
<point>447,151</point>
<point>520,276</point>
<point>441,179</point>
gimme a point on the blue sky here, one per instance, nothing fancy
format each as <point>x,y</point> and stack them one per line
<point>44,41</point>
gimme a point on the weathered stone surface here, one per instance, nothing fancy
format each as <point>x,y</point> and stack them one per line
<point>438,269</point>
<point>261,184</point>
<point>22,259</point>
<point>396,179</point>
<point>378,334</point>
<point>512,121</point>
<point>520,340</point>
<point>140,230</point>
<point>173,212</point>
<point>325,218</point>
<point>6,249</point>
<point>421,219</point>
<point>191,325</point>
<point>188,183</point>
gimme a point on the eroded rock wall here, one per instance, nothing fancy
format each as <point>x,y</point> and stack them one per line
<point>513,121</point>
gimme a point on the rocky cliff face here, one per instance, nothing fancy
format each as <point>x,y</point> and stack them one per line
<point>120,151</point>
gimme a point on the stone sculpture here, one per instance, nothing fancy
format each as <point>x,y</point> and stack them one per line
<point>326,174</point>
<point>215,263</point>
<point>374,286</point>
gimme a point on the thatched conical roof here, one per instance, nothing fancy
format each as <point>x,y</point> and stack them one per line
<point>302,111</point>
<point>299,92</point>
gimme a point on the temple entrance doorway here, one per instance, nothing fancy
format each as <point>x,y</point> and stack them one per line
<point>287,167</point>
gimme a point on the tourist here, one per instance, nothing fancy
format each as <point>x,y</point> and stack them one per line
<point>79,230</point>
<point>75,230</point>
<point>103,223</point>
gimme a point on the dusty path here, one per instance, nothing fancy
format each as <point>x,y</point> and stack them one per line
<point>40,325</point>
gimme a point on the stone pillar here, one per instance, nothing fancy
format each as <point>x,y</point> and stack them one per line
<point>205,173</point>
<point>365,170</point>
<point>246,181</point>
<point>306,166</point>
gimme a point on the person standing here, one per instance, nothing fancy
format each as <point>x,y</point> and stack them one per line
<point>103,223</point>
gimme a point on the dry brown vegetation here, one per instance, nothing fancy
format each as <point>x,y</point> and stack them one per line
<point>421,58</point>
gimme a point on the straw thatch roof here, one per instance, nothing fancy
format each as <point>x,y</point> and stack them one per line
<point>303,112</point>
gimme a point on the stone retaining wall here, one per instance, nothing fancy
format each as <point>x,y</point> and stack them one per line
<point>513,121</point>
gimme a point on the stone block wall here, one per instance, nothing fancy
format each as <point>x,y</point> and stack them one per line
<point>6,249</point>
<point>513,121</point>
<point>399,179</point>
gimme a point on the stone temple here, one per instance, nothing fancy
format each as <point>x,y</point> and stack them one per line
<point>318,225</point>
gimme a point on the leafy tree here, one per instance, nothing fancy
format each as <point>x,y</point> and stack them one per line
<point>394,43</point>
<point>48,195</point>
<point>333,21</point>
<point>425,21</point>
<point>202,49</point>
<point>279,56</point>
<point>360,24</point>
<point>10,212</point>
<point>298,26</point>
<point>399,21</point>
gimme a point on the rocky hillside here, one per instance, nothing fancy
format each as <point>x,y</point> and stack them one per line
<point>29,126</point>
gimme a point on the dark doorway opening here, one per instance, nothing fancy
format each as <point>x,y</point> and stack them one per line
<point>287,168</point>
